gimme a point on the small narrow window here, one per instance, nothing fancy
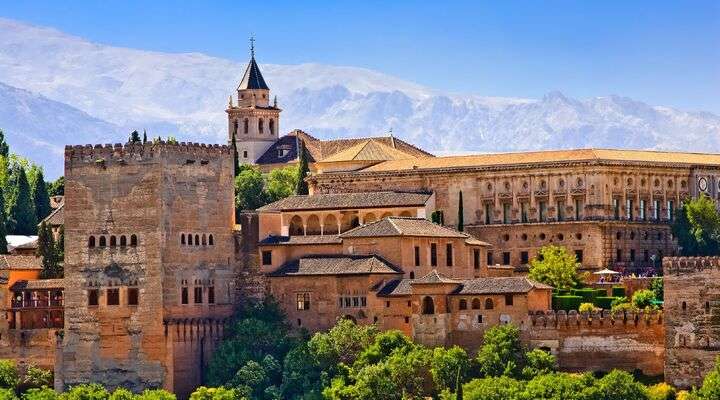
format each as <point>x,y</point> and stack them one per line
<point>210,240</point>
<point>245,154</point>
<point>433,254</point>
<point>267,257</point>
<point>303,301</point>
<point>479,319</point>
<point>113,297</point>
<point>579,256</point>
<point>417,256</point>
<point>412,274</point>
<point>113,241</point>
<point>509,299</point>
<point>91,241</point>
<point>182,238</point>
<point>476,258</point>
<point>261,126</point>
<point>684,306</point>
<point>271,126</point>
<point>93,295</point>
<point>449,254</point>
<point>490,260</point>
<point>462,304</point>
<point>489,304</point>
<point>211,294</point>
<point>707,306</point>
<point>204,240</point>
<point>103,241</point>
<point>407,320</point>
<point>246,125</point>
<point>197,240</point>
<point>506,258</point>
<point>184,298</point>
<point>123,241</point>
<point>197,295</point>
<point>387,304</point>
<point>524,257</point>
<point>133,297</point>
<point>133,240</point>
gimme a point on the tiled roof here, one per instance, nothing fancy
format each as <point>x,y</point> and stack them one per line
<point>19,262</point>
<point>252,78</point>
<point>475,242</point>
<point>348,200</point>
<point>301,240</point>
<point>330,147</point>
<point>499,285</point>
<point>403,226</point>
<point>38,284</point>
<point>21,242</point>
<point>368,150</point>
<point>336,265</point>
<point>396,287</point>
<point>541,157</point>
<point>435,277</point>
<point>57,217</point>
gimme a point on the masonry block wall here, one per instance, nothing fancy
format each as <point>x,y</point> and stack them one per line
<point>148,243</point>
<point>692,307</point>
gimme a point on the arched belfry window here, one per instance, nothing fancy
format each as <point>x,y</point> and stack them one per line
<point>246,126</point>
<point>261,125</point>
<point>133,240</point>
<point>428,306</point>
<point>271,126</point>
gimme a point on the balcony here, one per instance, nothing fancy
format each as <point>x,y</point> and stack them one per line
<point>36,304</point>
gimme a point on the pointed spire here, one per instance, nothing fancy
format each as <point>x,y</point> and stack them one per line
<point>252,78</point>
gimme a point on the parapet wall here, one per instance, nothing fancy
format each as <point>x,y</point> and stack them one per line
<point>689,265</point>
<point>130,152</point>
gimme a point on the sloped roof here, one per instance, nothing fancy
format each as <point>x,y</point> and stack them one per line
<point>403,226</point>
<point>434,277</point>
<point>368,150</point>
<point>475,242</point>
<point>19,262</point>
<point>336,265</point>
<point>252,78</point>
<point>499,285</point>
<point>541,157</point>
<point>396,287</point>
<point>57,217</point>
<point>21,242</point>
<point>348,200</point>
<point>301,240</point>
<point>38,284</point>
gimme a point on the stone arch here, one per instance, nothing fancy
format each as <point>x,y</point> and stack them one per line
<point>204,240</point>
<point>312,225</point>
<point>91,241</point>
<point>113,241</point>
<point>330,225</point>
<point>406,213</point>
<point>428,305</point>
<point>211,242</point>
<point>189,239</point>
<point>102,242</point>
<point>133,240</point>
<point>123,241</point>
<point>296,226</point>
<point>182,238</point>
<point>349,221</point>
<point>369,217</point>
<point>489,304</point>
<point>475,304</point>
<point>462,304</point>
<point>197,240</point>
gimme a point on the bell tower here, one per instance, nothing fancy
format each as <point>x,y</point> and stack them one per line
<point>253,120</point>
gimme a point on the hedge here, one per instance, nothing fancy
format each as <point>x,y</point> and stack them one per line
<point>618,291</point>
<point>604,302</point>
<point>587,294</point>
<point>600,292</point>
<point>566,303</point>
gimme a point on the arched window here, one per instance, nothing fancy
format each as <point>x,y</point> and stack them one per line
<point>462,305</point>
<point>488,304</point>
<point>123,241</point>
<point>684,306</point>
<point>204,240</point>
<point>475,304</point>
<point>406,213</point>
<point>113,241</point>
<point>271,126</point>
<point>312,226</point>
<point>197,240</point>
<point>428,306</point>
<point>330,225</point>
<point>369,218</point>
<point>133,240</point>
<point>103,241</point>
<point>91,241</point>
<point>296,226</point>
<point>210,240</point>
<point>182,238</point>
<point>246,126</point>
<point>261,126</point>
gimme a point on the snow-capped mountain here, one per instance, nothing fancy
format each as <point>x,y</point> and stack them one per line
<point>108,91</point>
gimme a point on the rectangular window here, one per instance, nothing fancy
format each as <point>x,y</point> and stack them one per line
<point>132,296</point>
<point>407,320</point>
<point>506,258</point>
<point>542,211</point>
<point>579,256</point>
<point>656,210</point>
<point>197,295</point>
<point>670,210</point>
<point>524,257</point>
<point>479,319</point>
<point>646,256</point>
<point>433,254</point>
<point>113,297</point>
<point>211,294</point>
<point>506,213</point>
<point>356,302</point>
<point>267,257</point>
<point>488,214</point>
<point>363,301</point>
<point>561,210</point>
<point>632,255</point>
<point>490,260</point>
<point>417,256</point>
<point>618,255</point>
<point>509,299</point>
<point>629,209</point>
<point>476,258</point>
<point>93,295</point>
<point>449,255</point>
<point>642,211</point>
<point>303,301</point>
<point>387,304</point>
<point>616,208</point>
<point>524,212</point>
<point>579,208</point>
<point>184,295</point>
<point>347,302</point>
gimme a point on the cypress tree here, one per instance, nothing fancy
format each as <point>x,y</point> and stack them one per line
<point>303,169</point>
<point>461,214</point>
<point>144,136</point>
<point>3,231</point>
<point>236,160</point>
<point>21,215</point>
<point>134,137</point>
<point>41,199</point>
<point>4,148</point>
<point>60,244</point>
<point>458,386</point>
<point>47,251</point>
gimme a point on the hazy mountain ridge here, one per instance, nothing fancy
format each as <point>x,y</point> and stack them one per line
<point>185,95</point>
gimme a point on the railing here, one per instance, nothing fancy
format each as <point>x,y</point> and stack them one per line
<point>36,303</point>
<point>36,318</point>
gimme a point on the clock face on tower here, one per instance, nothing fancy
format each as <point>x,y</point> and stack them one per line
<point>703,184</point>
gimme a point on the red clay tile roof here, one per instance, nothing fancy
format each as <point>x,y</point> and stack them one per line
<point>396,287</point>
<point>403,226</point>
<point>38,284</point>
<point>57,217</point>
<point>19,262</point>
<point>348,200</point>
<point>434,277</point>
<point>336,265</point>
<point>499,286</point>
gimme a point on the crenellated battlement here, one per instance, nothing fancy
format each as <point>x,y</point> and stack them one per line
<point>127,152</point>
<point>595,320</point>
<point>689,265</point>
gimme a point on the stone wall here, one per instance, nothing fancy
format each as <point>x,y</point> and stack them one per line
<point>692,323</point>
<point>30,347</point>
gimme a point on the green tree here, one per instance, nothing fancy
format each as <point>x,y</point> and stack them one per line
<point>35,377</point>
<point>122,394</point>
<point>218,393</point>
<point>155,394</point>
<point>249,188</point>
<point>302,377</point>
<point>3,223</point>
<point>561,386</point>
<point>449,366</point>
<point>697,227</point>
<point>620,385</point>
<point>134,137</point>
<point>303,169</point>
<point>40,196</point>
<point>21,215</point>
<point>281,183</point>
<point>710,388</point>
<point>236,160</point>
<point>57,187</point>
<point>60,245</point>
<point>643,298</point>
<point>47,251</point>
<point>494,388</point>
<point>554,266</point>
<point>458,386</point>
<point>657,286</point>
<point>91,391</point>
<point>501,352</point>
<point>4,148</point>
<point>144,136</point>
<point>461,214</point>
<point>538,362</point>
<point>43,393</point>
<point>9,377</point>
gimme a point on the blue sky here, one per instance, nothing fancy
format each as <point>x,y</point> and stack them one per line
<point>665,53</point>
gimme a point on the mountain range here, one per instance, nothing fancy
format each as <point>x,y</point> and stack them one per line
<point>58,89</point>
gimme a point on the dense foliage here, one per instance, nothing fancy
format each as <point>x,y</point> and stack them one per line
<point>254,190</point>
<point>50,252</point>
<point>697,227</point>
<point>554,266</point>
<point>301,186</point>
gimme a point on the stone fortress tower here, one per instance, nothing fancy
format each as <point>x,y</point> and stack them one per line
<point>253,121</point>
<point>149,263</point>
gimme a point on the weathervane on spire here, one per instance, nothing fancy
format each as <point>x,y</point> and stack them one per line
<point>252,46</point>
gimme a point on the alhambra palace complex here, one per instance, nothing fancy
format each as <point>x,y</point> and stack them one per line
<point>156,259</point>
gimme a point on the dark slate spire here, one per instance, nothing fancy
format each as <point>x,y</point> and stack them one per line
<point>252,79</point>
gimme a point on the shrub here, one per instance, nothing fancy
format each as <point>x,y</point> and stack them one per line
<point>37,377</point>
<point>92,391</point>
<point>600,293</point>
<point>8,374</point>
<point>500,388</point>
<point>501,351</point>
<point>661,391</point>
<point>623,307</point>
<point>155,394</point>
<point>219,393</point>
<point>7,394</point>
<point>643,298</point>
<point>44,393</point>
<point>566,302</point>
<point>538,362</point>
<point>618,291</point>
<point>586,308</point>
<point>587,294</point>
<point>620,385</point>
<point>604,302</point>
<point>122,394</point>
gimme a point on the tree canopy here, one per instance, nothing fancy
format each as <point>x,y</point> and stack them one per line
<point>22,219</point>
<point>303,169</point>
<point>697,227</point>
<point>254,190</point>
<point>554,266</point>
